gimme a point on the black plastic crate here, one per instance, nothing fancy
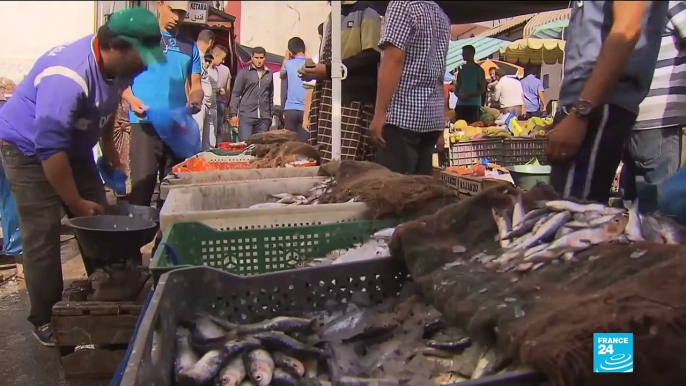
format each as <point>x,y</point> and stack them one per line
<point>519,151</point>
<point>467,153</point>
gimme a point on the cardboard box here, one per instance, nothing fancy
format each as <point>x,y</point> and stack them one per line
<point>468,186</point>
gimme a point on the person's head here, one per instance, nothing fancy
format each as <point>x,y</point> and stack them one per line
<point>205,40</point>
<point>128,42</point>
<point>468,53</point>
<point>493,73</point>
<point>320,29</point>
<point>219,53</point>
<point>296,46</point>
<point>258,56</point>
<point>172,13</point>
<point>531,70</point>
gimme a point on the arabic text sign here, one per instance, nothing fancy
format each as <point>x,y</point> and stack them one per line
<point>197,13</point>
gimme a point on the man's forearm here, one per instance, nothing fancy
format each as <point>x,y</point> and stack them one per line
<point>58,172</point>
<point>127,95</point>
<point>196,95</point>
<point>109,149</point>
<point>390,71</point>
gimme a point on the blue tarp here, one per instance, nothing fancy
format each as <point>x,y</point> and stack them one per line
<point>484,47</point>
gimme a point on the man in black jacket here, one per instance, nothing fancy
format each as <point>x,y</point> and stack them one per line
<point>252,97</point>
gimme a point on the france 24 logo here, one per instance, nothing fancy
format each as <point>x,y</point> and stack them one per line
<point>613,353</point>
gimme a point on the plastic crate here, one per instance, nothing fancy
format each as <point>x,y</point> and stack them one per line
<point>176,180</point>
<point>518,151</point>
<point>468,153</point>
<point>256,251</point>
<point>249,299</point>
<point>226,206</point>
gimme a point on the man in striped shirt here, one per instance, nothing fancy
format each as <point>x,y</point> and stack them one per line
<point>652,153</point>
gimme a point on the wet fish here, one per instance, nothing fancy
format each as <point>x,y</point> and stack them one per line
<point>526,225</point>
<point>504,227</point>
<point>450,345</point>
<point>206,335</point>
<point>432,352</point>
<point>576,224</point>
<point>204,370</point>
<point>279,341</point>
<point>185,356</point>
<point>536,249</point>
<point>542,221</point>
<point>283,378</point>
<point>345,326</point>
<point>517,210</point>
<point>563,231</point>
<point>260,367</point>
<point>222,323</point>
<point>433,327</point>
<point>234,347</point>
<point>311,368</point>
<point>650,229</point>
<point>281,323</point>
<point>535,214</point>
<point>546,230</point>
<point>233,373</point>
<point>288,363</point>
<point>633,226</point>
<point>669,229</point>
<point>568,206</point>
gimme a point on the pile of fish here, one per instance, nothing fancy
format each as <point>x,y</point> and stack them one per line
<point>401,342</point>
<point>289,199</point>
<point>559,229</point>
<point>374,248</point>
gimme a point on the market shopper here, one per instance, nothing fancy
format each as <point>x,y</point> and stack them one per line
<point>470,86</point>
<point>219,53</point>
<point>206,117</point>
<point>252,98</point>
<point>534,99</point>
<point>410,104</point>
<point>161,87</point>
<point>610,56</point>
<point>48,129</point>
<point>653,150</point>
<point>361,55</point>
<point>294,103</point>
<point>509,95</point>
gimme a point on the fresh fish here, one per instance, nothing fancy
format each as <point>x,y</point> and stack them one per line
<point>450,345</point>
<point>433,327</point>
<point>345,326</point>
<point>633,227</point>
<point>546,230</point>
<point>288,363</point>
<point>237,346</point>
<point>380,325</point>
<point>283,378</point>
<point>204,370</point>
<point>281,323</point>
<point>563,231</point>
<point>527,224</point>
<point>669,229</point>
<point>260,367</point>
<point>282,195</point>
<point>288,200</point>
<point>576,224</point>
<point>185,356</point>
<point>222,323</point>
<point>311,368</point>
<point>233,373</point>
<point>206,335</point>
<point>432,352</point>
<point>542,221</point>
<point>279,341</point>
<point>536,213</point>
<point>504,227</point>
<point>517,210</point>
<point>536,249</point>
<point>650,229</point>
<point>568,206</point>
<point>600,220</point>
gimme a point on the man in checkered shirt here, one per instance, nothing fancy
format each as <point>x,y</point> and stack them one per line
<point>410,112</point>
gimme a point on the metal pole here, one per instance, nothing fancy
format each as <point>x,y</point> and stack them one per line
<point>336,77</point>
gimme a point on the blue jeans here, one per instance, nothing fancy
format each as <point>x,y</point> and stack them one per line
<point>651,157</point>
<point>250,126</point>
<point>9,218</point>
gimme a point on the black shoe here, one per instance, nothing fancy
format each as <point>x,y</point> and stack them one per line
<point>44,335</point>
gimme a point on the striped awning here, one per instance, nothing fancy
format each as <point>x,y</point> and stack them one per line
<point>506,26</point>
<point>545,18</point>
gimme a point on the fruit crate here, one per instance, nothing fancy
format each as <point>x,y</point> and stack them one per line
<point>256,251</point>
<point>469,152</point>
<point>519,151</point>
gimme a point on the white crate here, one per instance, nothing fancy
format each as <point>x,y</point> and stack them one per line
<point>226,206</point>
<point>173,181</point>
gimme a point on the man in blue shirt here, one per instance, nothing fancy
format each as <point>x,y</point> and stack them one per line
<point>49,127</point>
<point>534,100</point>
<point>470,85</point>
<point>161,87</point>
<point>294,104</point>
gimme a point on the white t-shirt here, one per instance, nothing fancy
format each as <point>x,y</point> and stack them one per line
<point>509,92</point>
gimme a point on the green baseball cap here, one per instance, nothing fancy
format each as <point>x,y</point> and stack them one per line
<point>139,27</point>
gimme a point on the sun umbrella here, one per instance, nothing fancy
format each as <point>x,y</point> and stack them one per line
<point>552,30</point>
<point>505,67</point>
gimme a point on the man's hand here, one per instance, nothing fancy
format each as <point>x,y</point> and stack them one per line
<point>376,131</point>
<point>565,139</point>
<point>138,107</point>
<point>234,121</point>
<point>317,72</point>
<point>306,123</point>
<point>85,208</point>
<point>222,91</point>
<point>193,107</point>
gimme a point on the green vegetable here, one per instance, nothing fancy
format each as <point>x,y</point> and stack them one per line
<point>487,118</point>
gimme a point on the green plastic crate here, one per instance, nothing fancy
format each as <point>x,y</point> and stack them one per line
<point>256,251</point>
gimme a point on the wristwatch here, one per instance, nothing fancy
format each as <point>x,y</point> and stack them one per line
<point>583,108</point>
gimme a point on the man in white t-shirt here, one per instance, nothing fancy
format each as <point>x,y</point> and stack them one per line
<point>509,95</point>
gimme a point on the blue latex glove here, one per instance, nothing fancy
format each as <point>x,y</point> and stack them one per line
<point>113,178</point>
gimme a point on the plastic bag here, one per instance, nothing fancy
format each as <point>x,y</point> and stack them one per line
<point>113,178</point>
<point>672,196</point>
<point>178,130</point>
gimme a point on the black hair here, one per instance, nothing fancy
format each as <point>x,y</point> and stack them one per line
<point>206,36</point>
<point>296,45</point>
<point>259,50</point>
<point>221,48</point>
<point>320,29</point>
<point>469,48</point>
<point>108,40</point>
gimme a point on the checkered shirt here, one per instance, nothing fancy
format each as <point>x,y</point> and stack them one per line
<point>422,30</point>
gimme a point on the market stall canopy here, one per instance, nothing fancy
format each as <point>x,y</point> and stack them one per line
<point>484,47</point>
<point>552,30</point>
<point>534,51</point>
<point>476,11</point>
<point>505,67</point>
<point>544,18</point>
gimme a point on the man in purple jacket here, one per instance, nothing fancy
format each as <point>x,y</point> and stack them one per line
<point>48,128</point>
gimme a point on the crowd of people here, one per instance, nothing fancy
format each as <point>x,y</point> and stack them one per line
<point>393,106</point>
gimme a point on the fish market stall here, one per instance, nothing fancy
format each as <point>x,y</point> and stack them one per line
<point>536,277</point>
